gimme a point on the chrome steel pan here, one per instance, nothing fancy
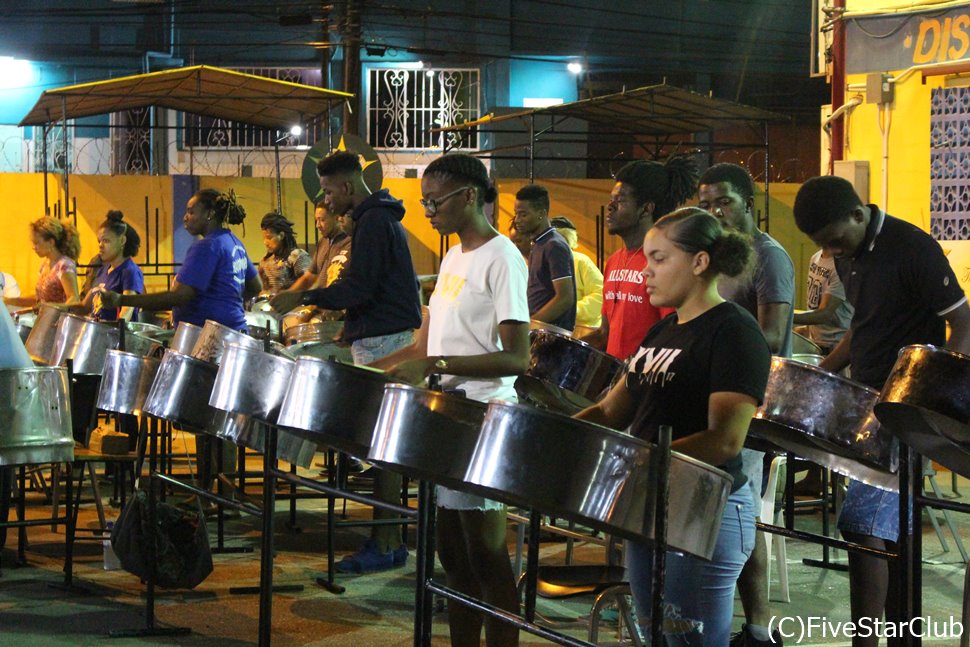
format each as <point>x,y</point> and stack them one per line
<point>333,404</point>
<point>85,341</point>
<point>321,350</point>
<point>36,412</point>
<point>926,404</point>
<point>258,322</point>
<point>24,323</point>
<point>565,374</point>
<point>247,432</point>
<point>426,434</point>
<point>183,341</point>
<point>251,382</point>
<point>126,381</point>
<point>321,331</point>
<point>180,392</point>
<point>828,420</point>
<point>595,476</point>
<point>212,341</point>
<point>40,341</point>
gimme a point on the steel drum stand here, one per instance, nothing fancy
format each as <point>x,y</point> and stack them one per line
<point>427,586</point>
<point>271,475</point>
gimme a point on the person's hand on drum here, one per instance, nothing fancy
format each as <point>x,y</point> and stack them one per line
<point>411,371</point>
<point>286,301</point>
<point>109,299</point>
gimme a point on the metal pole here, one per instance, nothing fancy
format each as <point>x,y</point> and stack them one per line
<point>532,147</point>
<point>67,157</point>
<point>660,534</point>
<point>279,183</point>
<point>47,204</point>
<point>266,554</point>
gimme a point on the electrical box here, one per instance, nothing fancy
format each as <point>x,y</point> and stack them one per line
<point>857,173</point>
<point>879,88</point>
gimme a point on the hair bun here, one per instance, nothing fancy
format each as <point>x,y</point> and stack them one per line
<point>115,216</point>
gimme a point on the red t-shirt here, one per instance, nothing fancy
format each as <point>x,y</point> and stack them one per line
<point>626,304</point>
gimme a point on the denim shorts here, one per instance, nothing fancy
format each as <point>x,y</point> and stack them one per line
<point>753,466</point>
<point>872,512</point>
<point>698,594</point>
<point>371,349</point>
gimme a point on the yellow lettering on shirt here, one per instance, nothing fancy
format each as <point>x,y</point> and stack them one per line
<point>449,286</point>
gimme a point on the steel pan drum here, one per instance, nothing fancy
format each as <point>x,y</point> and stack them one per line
<point>85,341</point>
<point>180,391</point>
<point>802,345</point>
<point>183,341</point>
<point>40,342</point>
<point>595,476</point>
<point>333,404</point>
<point>926,404</point>
<point>828,420</point>
<point>126,381</point>
<point>565,374</point>
<point>426,434</point>
<point>257,322</point>
<point>24,323</point>
<point>251,382</point>
<point>808,358</point>
<point>247,432</point>
<point>212,341</point>
<point>36,412</point>
<point>535,324</point>
<point>321,350</point>
<point>319,331</point>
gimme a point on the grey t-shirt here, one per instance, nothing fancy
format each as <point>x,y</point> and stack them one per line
<point>772,281</point>
<point>550,259</point>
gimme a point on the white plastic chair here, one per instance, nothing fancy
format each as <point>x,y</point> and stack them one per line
<point>776,476</point>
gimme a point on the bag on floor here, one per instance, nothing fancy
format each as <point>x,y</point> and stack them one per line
<point>183,558</point>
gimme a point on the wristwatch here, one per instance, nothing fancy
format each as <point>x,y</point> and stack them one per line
<point>441,365</point>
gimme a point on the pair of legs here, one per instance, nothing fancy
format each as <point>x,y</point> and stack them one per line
<point>473,551</point>
<point>870,517</point>
<point>753,581</point>
<point>698,594</point>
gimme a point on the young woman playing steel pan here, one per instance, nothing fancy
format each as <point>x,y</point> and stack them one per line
<point>477,337</point>
<point>58,244</point>
<point>117,245</point>
<point>216,275</point>
<point>702,371</point>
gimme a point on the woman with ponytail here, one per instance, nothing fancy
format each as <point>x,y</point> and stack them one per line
<point>118,243</point>
<point>477,338</point>
<point>216,275</point>
<point>707,389</point>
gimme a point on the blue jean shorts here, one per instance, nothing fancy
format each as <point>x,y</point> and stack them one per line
<point>872,512</point>
<point>371,349</point>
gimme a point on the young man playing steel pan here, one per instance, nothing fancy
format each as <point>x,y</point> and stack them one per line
<point>727,192</point>
<point>379,291</point>
<point>904,292</point>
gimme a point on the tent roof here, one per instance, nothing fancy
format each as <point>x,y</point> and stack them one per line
<point>654,110</point>
<point>201,90</point>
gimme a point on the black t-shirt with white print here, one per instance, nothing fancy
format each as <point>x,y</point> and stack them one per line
<point>678,367</point>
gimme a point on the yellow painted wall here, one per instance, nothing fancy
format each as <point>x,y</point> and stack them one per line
<point>21,200</point>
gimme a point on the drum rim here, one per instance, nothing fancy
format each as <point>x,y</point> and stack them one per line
<point>815,369</point>
<point>542,331</point>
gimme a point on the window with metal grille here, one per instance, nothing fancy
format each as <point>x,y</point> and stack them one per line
<point>209,132</point>
<point>403,105</point>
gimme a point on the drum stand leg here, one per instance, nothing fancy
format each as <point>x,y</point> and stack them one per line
<point>291,524</point>
<point>150,629</point>
<point>333,479</point>
<point>662,490</point>
<point>424,598</point>
<point>532,565</point>
<point>829,479</point>
<point>266,551</point>
<point>22,514</point>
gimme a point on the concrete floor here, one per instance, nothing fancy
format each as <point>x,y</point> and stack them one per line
<point>375,609</point>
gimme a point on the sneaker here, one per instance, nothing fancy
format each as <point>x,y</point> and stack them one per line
<point>367,560</point>
<point>744,639</point>
<point>401,555</point>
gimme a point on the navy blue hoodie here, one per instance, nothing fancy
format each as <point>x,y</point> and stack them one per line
<point>379,288</point>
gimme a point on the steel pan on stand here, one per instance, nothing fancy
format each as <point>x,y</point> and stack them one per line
<point>593,475</point>
<point>40,341</point>
<point>565,374</point>
<point>24,322</point>
<point>126,382</point>
<point>333,404</point>
<point>926,404</point>
<point>211,342</point>
<point>36,410</point>
<point>828,420</point>
<point>181,389</point>
<point>186,334</point>
<point>427,435</point>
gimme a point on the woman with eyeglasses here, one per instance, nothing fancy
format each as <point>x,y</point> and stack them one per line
<point>712,379</point>
<point>477,338</point>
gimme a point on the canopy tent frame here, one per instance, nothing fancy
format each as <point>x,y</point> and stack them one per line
<point>200,90</point>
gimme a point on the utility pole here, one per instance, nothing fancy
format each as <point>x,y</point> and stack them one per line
<point>352,85</point>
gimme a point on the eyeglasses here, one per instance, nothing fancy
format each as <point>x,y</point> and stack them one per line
<point>431,206</point>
